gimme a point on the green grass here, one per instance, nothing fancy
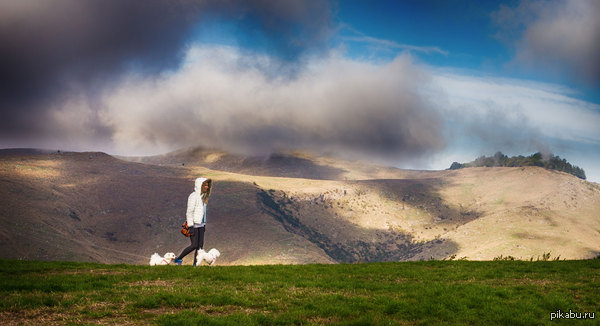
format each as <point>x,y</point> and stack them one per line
<point>419,293</point>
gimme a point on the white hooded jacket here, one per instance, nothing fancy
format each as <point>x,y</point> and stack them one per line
<point>196,208</point>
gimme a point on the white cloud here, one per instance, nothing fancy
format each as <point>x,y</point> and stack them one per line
<point>223,98</point>
<point>555,36</point>
<point>545,108</point>
<point>386,46</point>
<point>488,114</point>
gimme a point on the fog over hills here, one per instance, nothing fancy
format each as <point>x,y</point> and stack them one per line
<point>288,208</point>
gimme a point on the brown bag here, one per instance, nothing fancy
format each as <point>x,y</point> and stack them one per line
<point>185,230</point>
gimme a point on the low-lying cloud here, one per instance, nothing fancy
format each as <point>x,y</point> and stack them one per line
<point>487,114</point>
<point>333,105</point>
<point>528,112</point>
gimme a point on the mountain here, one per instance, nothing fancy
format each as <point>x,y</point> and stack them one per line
<point>288,208</point>
<point>294,164</point>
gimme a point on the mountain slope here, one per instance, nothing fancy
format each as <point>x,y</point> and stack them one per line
<point>94,207</point>
<point>476,213</point>
<point>293,164</point>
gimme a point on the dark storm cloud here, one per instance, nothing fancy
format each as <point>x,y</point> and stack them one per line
<point>50,46</point>
<point>51,51</point>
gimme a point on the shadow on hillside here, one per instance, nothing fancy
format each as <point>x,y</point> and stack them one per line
<point>274,165</point>
<point>389,245</point>
<point>282,165</point>
<point>277,165</point>
<point>424,194</point>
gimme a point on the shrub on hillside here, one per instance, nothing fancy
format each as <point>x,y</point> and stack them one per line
<point>536,159</point>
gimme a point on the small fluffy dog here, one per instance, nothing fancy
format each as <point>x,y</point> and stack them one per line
<point>210,257</point>
<point>156,259</point>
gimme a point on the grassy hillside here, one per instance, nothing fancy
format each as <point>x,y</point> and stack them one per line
<point>423,293</point>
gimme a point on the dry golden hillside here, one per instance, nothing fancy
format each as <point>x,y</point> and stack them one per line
<point>94,207</point>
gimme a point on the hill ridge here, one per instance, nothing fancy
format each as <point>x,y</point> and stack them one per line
<point>88,206</point>
<point>551,162</point>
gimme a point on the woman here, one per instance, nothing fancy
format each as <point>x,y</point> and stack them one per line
<point>196,217</point>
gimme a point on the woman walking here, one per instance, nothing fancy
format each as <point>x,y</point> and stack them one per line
<point>196,217</point>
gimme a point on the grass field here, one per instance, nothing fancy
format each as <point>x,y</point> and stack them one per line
<point>426,292</point>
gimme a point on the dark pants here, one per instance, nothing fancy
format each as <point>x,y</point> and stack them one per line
<point>197,239</point>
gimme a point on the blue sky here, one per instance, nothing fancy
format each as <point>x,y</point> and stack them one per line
<point>414,84</point>
<point>453,34</point>
<point>461,30</point>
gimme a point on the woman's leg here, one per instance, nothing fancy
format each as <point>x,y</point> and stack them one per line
<point>193,245</point>
<point>199,243</point>
<point>201,237</point>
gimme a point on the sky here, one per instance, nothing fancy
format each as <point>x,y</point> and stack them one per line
<point>412,84</point>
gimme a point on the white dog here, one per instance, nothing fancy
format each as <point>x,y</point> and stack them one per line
<point>210,257</point>
<point>156,259</point>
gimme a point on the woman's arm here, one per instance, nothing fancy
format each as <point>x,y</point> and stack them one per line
<point>191,204</point>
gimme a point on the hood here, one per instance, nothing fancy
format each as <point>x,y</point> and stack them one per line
<point>198,185</point>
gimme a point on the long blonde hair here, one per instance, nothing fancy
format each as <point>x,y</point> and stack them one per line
<point>207,193</point>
